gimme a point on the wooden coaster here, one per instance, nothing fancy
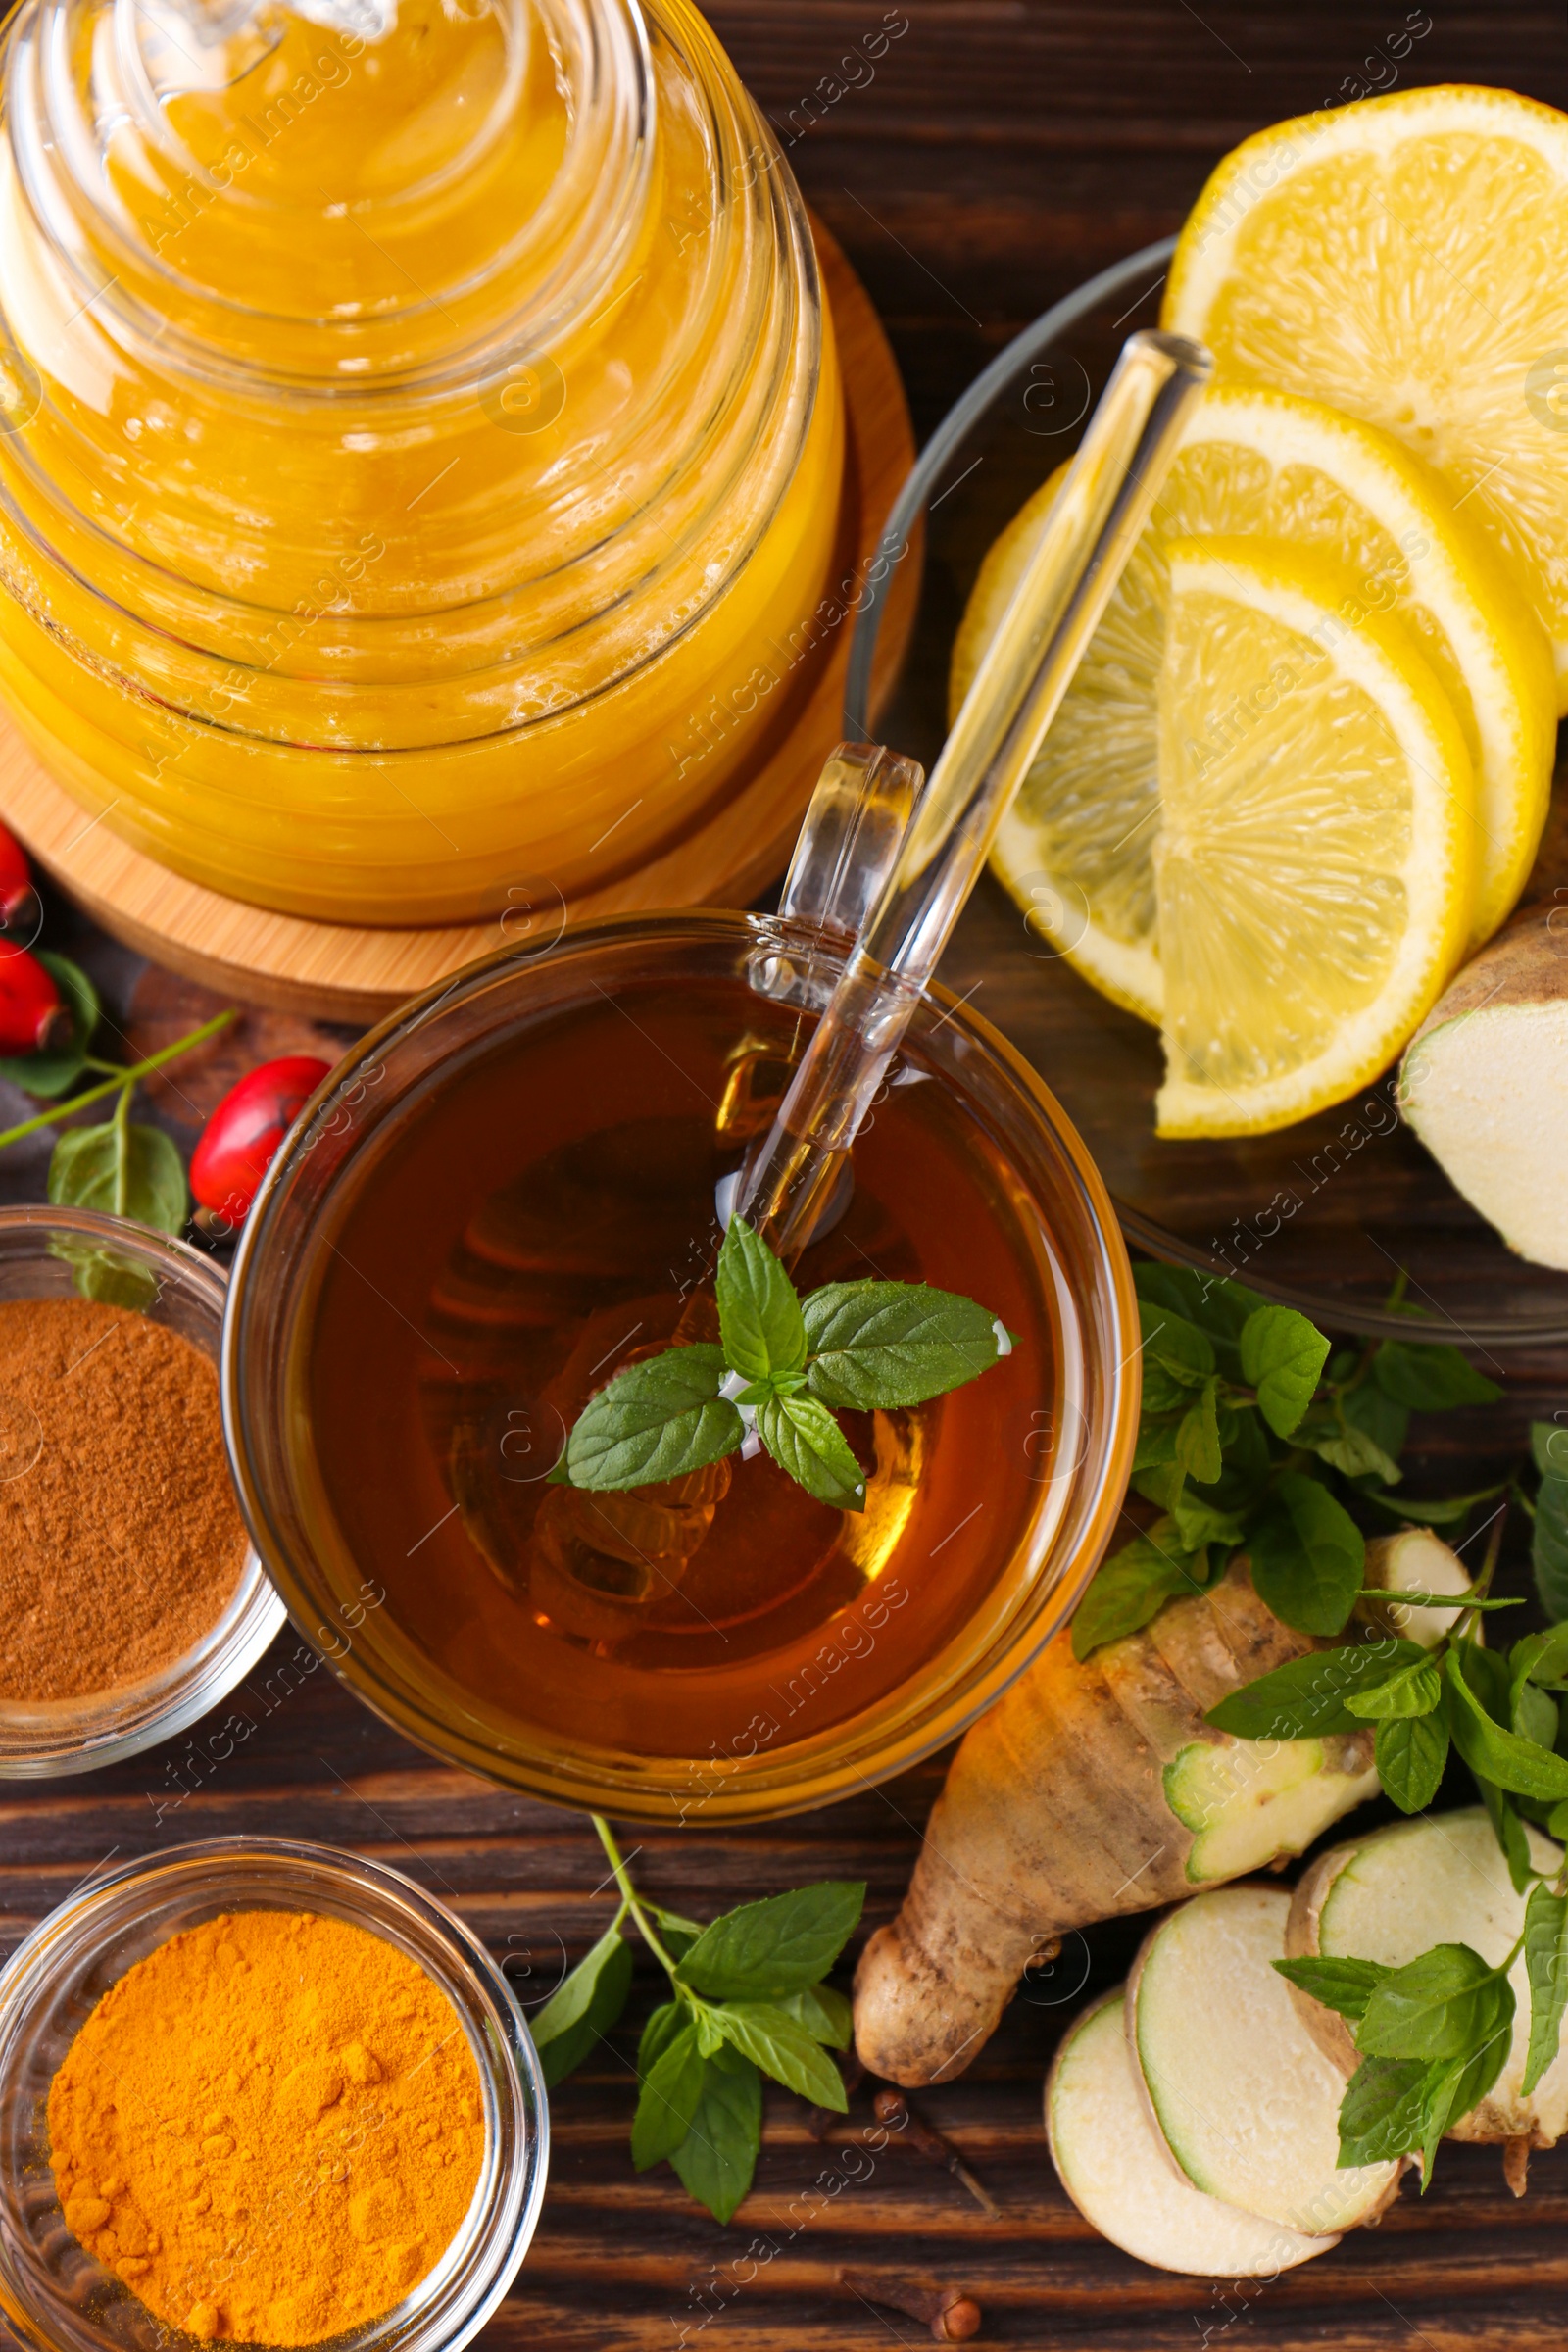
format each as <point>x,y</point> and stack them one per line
<point>344,972</point>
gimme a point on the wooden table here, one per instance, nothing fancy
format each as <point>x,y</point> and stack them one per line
<point>993,155</point>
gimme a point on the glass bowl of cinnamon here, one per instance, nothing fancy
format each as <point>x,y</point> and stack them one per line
<point>317,2116</point>
<point>130,1599</point>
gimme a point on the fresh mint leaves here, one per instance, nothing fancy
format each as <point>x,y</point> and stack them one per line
<point>748,1999</point>
<point>780,1369</point>
<point>1433,2038</point>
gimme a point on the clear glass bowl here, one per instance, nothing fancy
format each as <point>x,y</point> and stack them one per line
<point>185,1291</point>
<point>1324,1215</point>
<point>52,2291</point>
<point>371,1102</point>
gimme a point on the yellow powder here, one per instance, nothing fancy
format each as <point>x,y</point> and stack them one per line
<point>271,2127</point>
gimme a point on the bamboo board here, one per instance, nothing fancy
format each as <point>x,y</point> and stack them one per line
<point>340,972</point>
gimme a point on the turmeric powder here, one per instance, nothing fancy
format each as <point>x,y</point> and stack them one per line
<point>271,2127</point>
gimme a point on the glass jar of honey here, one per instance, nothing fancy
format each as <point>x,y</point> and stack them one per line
<point>411,413</point>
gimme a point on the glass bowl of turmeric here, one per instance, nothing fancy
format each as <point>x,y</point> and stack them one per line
<point>130,1599</point>
<point>263,2092</point>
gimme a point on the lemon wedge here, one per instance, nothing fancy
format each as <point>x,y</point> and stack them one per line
<point>1077,848</point>
<point>1314,867</point>
<point>1406,259</point>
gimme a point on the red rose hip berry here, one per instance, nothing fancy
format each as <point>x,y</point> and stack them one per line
<point>35,1018</point>
<point>240,1140</point>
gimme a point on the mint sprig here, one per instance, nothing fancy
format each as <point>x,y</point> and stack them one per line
<point>747,1997</point>
<point>1434,2037</point>
<point>782,1367</point>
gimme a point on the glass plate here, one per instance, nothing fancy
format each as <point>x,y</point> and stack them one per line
<point>1327,1215</point>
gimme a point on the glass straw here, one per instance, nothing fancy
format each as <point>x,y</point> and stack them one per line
<point>1090,531</point>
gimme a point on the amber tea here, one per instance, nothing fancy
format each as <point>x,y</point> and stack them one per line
<point>548,1218</point>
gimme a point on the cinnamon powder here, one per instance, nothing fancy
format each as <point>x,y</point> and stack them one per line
<point>120,1539</point>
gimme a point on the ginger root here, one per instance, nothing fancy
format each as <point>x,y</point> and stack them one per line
<point>1092,1790</point>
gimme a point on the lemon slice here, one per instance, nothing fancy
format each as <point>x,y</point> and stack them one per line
<point>1406,259</point>
<point>1079,841</point>
<point>1314,867</point>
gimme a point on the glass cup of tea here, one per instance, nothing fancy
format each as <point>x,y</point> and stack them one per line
<point>513,1189</point>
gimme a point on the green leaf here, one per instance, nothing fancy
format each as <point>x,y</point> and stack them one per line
<point>1429,1379</point>
<point>108,1275</point>
<point>1414,1690</point>
<point>1378,1416</point>
<point>584,2007</point>
<point>1306,1698</point>
<point>1383,2111</point>
<point>1540,1658</point>
<point>123,1171</point>
<point>1447,2003</point>
<point>825,2013</point>
<point>1130,1588</point>
<point>1345,1448</point>
<point>1307,1556</point>
<point>785,1944</point>
<point>669,2099</point>
<point>1444,1510</point>
<point>782,2047</point>
<point>803,1439</point>
<point>1533,1714</point>
<point>1496,1755</point>
<point>1546,1960</point>
<point>1198,1454</point>
<point>1212,1303</point>
<point>1509,1832</point>
<point>1549,1544</point>
<point>1342,1985</point>
<point>1178,1348</point>
<point>666,2021</point>
<point>678,1934</point>
<point>1157,1442</point>
<point>1411,1752</point>
<point>1283,1356</point>
<point>1247,1464</point>
<point>1462,2086</point>
<point>48,1075</point>
<point>1487,1673</point>
<point>1199,1524</point>
<point>759,1313</point>
<point>1412,1596</point>
<point>658,1420</point>
<point>892,1343</point>
<point>717,2157</point>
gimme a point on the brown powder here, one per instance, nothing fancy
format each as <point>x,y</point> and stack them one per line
<point>121,1540</point>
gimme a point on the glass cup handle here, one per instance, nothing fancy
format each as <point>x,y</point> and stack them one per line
<point>848,842</point>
